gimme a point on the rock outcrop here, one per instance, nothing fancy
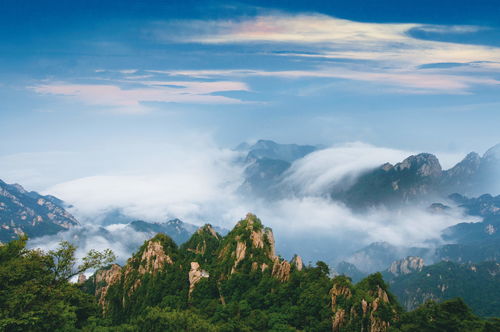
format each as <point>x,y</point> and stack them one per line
<point>297,262</point>
<point>281,270</point>
<point>103,280</point>
<point>364,307</point>
<point>196,274</point>
<point>248,242</point>
<point>153,258</point>
<point>406,266</point>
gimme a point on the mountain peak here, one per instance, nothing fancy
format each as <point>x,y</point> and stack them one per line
<point>425,164</point>
<point>249,246</point>
<point>493,153</point>
<point>208,229</point>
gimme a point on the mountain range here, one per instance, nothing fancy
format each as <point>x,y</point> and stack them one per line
<point>31,214</point>
<point>417,179</point>
<point>237,282</point>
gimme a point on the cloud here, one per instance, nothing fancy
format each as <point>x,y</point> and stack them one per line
<point>122,239</point>
<point>132,99</point>
<point>199,183</point>
<point>334,37</point>
<point>196,183</point>
<point>323,170</point>
<point>375,52</point>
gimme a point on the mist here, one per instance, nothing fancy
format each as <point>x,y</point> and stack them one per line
<point>199,184</point>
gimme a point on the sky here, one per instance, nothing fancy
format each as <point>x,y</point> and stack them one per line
<point>136,105</point>
<point>87,87</point>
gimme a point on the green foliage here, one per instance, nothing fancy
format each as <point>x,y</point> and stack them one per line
<point>64,261</point>
<point>477,284</point>
<point>449,316</point>
<point>34,292</point>
<point>156,319</point>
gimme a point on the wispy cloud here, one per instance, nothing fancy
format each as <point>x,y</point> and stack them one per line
<point>334,37</point>
<point>132,100</point>
<point>378,52</point>
<point>412,81</point>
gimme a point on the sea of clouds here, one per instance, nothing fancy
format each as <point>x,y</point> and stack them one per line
<point>198,183</point>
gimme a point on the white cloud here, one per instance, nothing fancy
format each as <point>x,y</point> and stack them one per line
<point>199,183</point>
<point>132,100</point>
<point>323,170</point>
<point>383,53</point>
<point>340,38</point>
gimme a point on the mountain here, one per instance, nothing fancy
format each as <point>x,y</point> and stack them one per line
<point>475,175</point>
<point>477,241</point>
<point>263,176</point>
<point>240,283</point>
<point>420,178</point>
<point>266,149</point>
<point>378,256</point>
<point>406,266</point>
<point>230,283</point>
<point>350,270</point>
<point>267,161</point>
<point>175,228</point>
<point>476,284</point>
<point>415,178</point>
<point>29,213</point>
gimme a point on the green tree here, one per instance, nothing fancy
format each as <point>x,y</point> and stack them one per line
<point>35,294</point>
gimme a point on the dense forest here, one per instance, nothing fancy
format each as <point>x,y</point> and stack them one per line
<point>210,283</point>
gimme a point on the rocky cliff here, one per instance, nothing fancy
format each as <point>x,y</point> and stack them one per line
<point>367,306</point>
<point>406,266</point>
<point>31,214</point>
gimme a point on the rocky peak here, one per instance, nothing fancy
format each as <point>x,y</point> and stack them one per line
<point>423,164</point>
<point>249,240</point>
<point>386,167</point>
<point>154,258</point>
<point>297,262</point>
<point>406,266</point>
<point>362,302</point>
<point>203,245</point>
<point>467,167</point>
<point>492,153</point>
<point>208,229</point>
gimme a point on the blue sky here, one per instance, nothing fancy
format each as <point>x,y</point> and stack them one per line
<point>91,77</point>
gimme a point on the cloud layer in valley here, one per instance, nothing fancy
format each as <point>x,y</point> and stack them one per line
<point>200,187</point>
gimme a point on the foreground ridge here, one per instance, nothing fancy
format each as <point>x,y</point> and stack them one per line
<point>237,282</point>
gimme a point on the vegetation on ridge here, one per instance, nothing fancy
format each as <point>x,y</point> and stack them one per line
<point>211,283</point>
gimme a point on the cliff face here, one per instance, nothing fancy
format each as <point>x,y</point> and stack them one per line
<point>104,279</point>
<point>196,274</point>
<point>406,266</point>
<point>249,246</point>
<point>364,307</point>
<point>29,213</point>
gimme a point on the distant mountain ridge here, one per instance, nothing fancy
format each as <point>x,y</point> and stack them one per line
<point>267,161</point>
<point>267,149</point>
<point>420,178</point>
<point>477,284</point>
<point>417,179</point>
<point>31,214</point>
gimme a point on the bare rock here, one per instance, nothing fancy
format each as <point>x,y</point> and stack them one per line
<point>195,275</point>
